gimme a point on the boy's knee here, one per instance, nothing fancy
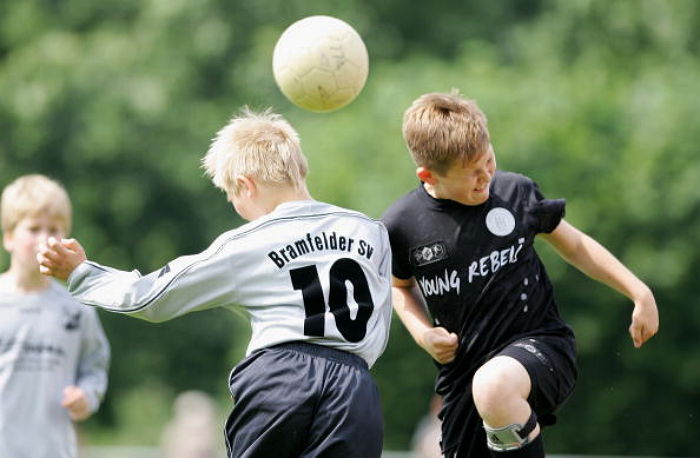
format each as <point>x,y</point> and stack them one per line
<point>489,387</point>
<point>497,384</point>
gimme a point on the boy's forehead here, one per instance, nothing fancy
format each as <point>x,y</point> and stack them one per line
<point>44,217</point>
<point>468,164</point>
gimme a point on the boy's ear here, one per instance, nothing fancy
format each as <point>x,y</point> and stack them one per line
<point>7,241</point>
<point>246,185</point>
<point>425,175</point>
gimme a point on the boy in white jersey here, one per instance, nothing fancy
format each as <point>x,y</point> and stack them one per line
<point>314,279</point>
<point>53,351</point>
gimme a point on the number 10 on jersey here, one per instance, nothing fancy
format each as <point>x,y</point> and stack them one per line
<point>342,271</point>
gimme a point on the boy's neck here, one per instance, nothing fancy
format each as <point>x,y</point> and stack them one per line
<point>430,190</point>
<point>20,281</point>
<point>286,195</point>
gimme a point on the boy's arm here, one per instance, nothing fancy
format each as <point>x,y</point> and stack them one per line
<point>91,375</point>
<point>77,402</point>
<point>590,257</point>
<point>186,284</point>
<point>408,304</point>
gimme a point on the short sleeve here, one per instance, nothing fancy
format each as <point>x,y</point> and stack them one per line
<point>544,214</point>
<point>400,265</point>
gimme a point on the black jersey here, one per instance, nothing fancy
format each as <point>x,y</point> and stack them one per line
<point>478,271</point>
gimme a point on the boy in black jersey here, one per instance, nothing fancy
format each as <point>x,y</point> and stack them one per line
<point>463,246</point>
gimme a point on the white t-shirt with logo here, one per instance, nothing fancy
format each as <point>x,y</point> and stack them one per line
<point>48,341</point>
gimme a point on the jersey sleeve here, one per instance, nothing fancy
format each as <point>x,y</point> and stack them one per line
<point>385,263</point>
<point>186,284</point>
<point>544,214</point>
<point>400,266</point>
<point>94,359</point>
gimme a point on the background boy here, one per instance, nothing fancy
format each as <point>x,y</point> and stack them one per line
<point>314,278</point>
<point>463,243</point>
<point>53,351</point>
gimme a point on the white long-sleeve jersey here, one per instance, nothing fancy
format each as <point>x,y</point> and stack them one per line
<point>48,341</point>
<point>308,271</point>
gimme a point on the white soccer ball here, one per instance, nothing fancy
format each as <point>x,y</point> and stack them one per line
<point>320,63</point>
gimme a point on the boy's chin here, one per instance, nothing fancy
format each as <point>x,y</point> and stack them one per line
<point>30,266</point>
<point>479,198</point>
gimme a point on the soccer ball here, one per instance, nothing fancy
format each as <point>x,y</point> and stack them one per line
<point>320,63</point>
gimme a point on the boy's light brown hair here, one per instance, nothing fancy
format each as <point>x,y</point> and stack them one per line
<point>261,145</point>
<point>441,128</point>
<point>34,195</point>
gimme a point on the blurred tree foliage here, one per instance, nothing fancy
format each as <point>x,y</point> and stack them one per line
<point>598,101</point>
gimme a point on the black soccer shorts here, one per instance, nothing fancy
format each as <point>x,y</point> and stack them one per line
<point>303,400</point>
<point>552,372</point>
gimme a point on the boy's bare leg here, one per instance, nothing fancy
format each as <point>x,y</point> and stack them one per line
<point>500,388</point>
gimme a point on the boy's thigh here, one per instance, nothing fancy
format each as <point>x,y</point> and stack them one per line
<point>348,423</point>
<point>272,405</point>
<point>552,375</point>
<point>288,403</point>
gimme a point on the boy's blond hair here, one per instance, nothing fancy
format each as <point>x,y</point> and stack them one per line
<point>34,195</point>
<point>440,128</point>
<point>261,145</point>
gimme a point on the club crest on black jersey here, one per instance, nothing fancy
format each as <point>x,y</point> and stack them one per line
<point>428,254</point>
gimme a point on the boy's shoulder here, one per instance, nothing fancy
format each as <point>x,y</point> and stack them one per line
<point>302,209</point>
<point>505,177</point>
<point>319,207</point>
<point>290,212</point>
<point>54,289</point>
<point>509,185</point>
<point>411,204</point>
<point>54,299</point>
<point>4,283</point>
<point>56,293</point>
<point>403,204</point>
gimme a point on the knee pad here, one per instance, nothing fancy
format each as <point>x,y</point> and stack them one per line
<point>511,437</point>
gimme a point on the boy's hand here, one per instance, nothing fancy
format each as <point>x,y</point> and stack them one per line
<point>645,319</point>
<point>75,400</point>
<point>59,258</point>
<point>441,344</point>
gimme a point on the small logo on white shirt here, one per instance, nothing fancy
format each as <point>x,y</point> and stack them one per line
<point>72,321</point>
<point>500,221</point>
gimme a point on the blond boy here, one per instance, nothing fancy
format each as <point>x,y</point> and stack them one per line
<point>462,244</point>
<point>314,279</point>
<point>53,351</point>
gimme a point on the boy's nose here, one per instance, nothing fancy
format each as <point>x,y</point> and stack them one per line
<point>484,176</point>
<point>43,237</point>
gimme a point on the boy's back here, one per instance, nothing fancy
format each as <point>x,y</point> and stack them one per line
<point>336,258</point>
<point>314,278</point>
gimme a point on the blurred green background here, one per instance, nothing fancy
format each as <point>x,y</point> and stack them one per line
<point>596,100</point>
